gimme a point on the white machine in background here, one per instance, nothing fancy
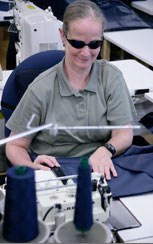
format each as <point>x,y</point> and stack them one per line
<point>56,201</point>
<point>38,29</point>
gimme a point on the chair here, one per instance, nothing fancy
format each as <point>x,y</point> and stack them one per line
<point>22,76</point>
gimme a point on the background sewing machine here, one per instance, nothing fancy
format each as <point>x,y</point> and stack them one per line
<point>38,29</point>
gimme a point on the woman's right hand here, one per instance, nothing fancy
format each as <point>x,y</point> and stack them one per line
<point>45,162</point>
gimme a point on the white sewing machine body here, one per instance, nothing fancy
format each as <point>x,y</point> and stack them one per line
<point>38,29</point>
<point>51,193</point>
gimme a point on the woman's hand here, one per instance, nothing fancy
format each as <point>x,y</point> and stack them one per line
<point>101,162</point>
<point>17,153</point>
<point>45,162</point>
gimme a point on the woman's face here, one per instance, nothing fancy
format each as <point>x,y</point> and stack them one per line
<point>86,30</point>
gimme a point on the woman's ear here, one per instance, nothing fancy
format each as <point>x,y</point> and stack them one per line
<point>61,34</point>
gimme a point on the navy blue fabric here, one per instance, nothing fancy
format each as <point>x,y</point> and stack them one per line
<point>4,6</point>
<point>146,17</point>
<point>120,16</point>
<point>134,168</point>
<point>147,121</point>
<point>34,64</point>
<point>135,172</point>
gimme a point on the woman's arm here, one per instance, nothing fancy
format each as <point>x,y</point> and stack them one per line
<point>101,159</point>
<point>17,153</point>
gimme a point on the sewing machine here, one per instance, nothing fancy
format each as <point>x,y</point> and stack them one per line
<point>38,29</point>
<point>56,202</point>
<point>56,198</point>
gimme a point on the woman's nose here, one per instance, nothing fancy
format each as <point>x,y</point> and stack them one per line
<point>85,51</point>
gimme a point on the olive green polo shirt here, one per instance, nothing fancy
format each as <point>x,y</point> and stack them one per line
<point>104,101</point>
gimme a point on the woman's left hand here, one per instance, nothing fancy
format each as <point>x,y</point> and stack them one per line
<point>101,159</point>
<point>101,162</point>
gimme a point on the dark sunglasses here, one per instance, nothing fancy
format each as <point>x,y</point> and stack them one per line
<point>80,44</point>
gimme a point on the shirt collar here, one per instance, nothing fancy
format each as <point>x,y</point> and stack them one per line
<point>64,86</point>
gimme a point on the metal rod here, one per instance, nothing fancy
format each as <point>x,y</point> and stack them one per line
<point>25,133</point>
<point>59,178</point>
<point>55,128</point>
<point>105,127</point>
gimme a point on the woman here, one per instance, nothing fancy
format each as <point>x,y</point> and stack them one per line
<point>80,90</point>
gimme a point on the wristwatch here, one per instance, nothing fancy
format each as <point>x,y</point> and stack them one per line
<point>110,148</point>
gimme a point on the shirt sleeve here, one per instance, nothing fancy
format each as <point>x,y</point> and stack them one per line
<point>120,107</point>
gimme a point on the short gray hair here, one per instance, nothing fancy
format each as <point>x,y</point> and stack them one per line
<point>82,9</point>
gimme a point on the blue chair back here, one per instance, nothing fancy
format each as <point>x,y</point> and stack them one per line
<point>22,76</point>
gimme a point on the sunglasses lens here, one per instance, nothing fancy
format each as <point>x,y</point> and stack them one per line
<point>95,44</point>
<point>76,44</point>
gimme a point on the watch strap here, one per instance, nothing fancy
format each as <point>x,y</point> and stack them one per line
<point>110,148</point>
